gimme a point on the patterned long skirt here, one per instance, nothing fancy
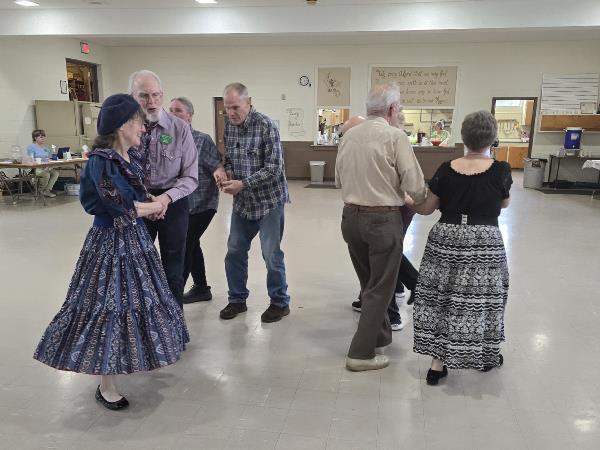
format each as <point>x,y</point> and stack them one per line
<point>461,296</point>
<point>119,316</point>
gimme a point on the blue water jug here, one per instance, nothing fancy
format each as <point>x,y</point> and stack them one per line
<point>573,138</point>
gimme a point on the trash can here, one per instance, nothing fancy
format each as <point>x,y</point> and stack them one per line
<point>534,171</point>
<point>317,171</point>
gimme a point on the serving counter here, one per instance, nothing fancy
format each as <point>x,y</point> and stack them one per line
<point>298,154</point>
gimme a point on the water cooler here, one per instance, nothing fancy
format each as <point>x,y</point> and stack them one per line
<point>573,139</point>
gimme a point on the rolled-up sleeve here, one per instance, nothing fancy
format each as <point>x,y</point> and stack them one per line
<point>409,170</point>
<point>187,182</point>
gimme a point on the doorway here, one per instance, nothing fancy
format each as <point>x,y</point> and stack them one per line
<point>516,126</point>
<point>219,124</point>
<point>83,81</point>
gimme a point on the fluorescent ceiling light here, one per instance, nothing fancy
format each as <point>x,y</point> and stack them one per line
<point>206,1</point>
<point>26,3</point>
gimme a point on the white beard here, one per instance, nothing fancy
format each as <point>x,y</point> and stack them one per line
<point>153,117</point>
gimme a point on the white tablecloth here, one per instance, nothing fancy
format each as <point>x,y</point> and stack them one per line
<point>592,164</point>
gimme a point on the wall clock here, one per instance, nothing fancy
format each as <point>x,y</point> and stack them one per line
<point>304,80</point>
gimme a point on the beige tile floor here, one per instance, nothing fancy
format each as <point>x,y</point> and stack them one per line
<point>245,385</point>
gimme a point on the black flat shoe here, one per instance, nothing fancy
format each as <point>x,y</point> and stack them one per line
<point>114,406</point>
<point>433,376</point>
<point>500,362</point>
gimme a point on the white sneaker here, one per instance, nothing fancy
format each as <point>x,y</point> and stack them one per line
<point>397,326</point>
<point>399,295</point>
<point>359,365</point>
<point>48,194</point>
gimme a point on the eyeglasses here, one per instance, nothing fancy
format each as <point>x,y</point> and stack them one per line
<point>146,97</point>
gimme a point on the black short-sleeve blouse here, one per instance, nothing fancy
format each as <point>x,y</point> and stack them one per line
<point>479,194</point>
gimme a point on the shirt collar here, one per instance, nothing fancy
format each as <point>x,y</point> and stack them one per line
<point>249,118</point>
<point>378,119</point>
<point>164,120</point>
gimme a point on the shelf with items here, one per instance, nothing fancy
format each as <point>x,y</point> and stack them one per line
<point>558,123</point>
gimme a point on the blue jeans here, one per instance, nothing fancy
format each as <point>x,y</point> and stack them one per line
<point>241,233</point>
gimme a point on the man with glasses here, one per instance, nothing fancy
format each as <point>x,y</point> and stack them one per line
<point>170,161</point>
<point>376,167</point>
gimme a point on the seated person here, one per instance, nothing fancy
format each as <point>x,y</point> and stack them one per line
<point>439,133</point>
<point>47,177</point>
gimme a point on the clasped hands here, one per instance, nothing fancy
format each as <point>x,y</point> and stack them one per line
<point>158,206</point>
<point>225,183</point>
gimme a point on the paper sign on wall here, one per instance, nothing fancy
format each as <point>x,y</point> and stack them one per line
<point>295,122</point>
<point>420,86</point>
<point>333,86</point>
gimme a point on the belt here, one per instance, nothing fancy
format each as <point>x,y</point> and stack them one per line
<point>372,208</point>
<point>103,221</point>
<point>157,192</point>
<point>468,219</point>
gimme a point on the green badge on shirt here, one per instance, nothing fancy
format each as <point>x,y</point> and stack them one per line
<point>165,138</point>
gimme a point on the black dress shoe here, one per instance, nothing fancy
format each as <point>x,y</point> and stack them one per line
<point>433,376</point>
<point>114,406</point>
<point>274,313</point>
<point>232,310</point>
<point>357,306</point>
<point>500,362</point>
<point>197,294</point>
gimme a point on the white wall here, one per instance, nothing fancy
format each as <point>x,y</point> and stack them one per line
<point>30,69</point>
<point>485,70</point>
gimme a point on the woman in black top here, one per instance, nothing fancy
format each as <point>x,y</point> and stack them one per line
<point>463,283</point>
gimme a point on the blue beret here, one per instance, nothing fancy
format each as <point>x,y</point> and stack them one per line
<point>116,110</point>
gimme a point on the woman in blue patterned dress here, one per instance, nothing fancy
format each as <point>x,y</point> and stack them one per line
<point>463,280</point>
<point>119,316</point>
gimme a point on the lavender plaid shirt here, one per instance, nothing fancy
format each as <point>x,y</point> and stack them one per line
<point>207,195</point>
<point>253,154</point>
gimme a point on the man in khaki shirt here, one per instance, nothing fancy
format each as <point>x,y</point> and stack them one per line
<point>375,168</point>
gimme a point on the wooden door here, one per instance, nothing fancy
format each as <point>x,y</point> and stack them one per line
<point>219,124</point>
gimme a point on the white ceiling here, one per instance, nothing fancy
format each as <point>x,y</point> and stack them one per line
<point>272,21</point>
<point>144,4</point>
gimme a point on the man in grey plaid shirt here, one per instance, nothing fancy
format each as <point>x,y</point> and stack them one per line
<point>203,203</point>
<point>254,165</point>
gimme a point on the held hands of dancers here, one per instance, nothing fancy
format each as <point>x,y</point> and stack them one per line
<point>154,209</point>
<point>228,185</point>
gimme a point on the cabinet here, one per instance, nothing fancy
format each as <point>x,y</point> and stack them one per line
<point>589,122</point>
<point>512,154</point>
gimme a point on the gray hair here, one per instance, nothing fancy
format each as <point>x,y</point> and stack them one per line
<point>440,123</point>
<point>185,102</point>
<point>381,98</point>
<point>479,130</point>
<point>241,90</point>
<point>140,74</point>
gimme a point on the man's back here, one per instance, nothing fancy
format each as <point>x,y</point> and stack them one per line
<point>375,164</point>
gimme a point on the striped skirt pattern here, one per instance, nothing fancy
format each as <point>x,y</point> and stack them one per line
<point>461,296</point>
<point>119,316</point>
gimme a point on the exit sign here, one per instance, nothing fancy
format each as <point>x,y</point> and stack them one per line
<point>85,47</point>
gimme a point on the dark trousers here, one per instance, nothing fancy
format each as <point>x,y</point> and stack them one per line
<point>194,258</point>
<point>407,276</point>
<point>172,232</point>
<point>375,245</point>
